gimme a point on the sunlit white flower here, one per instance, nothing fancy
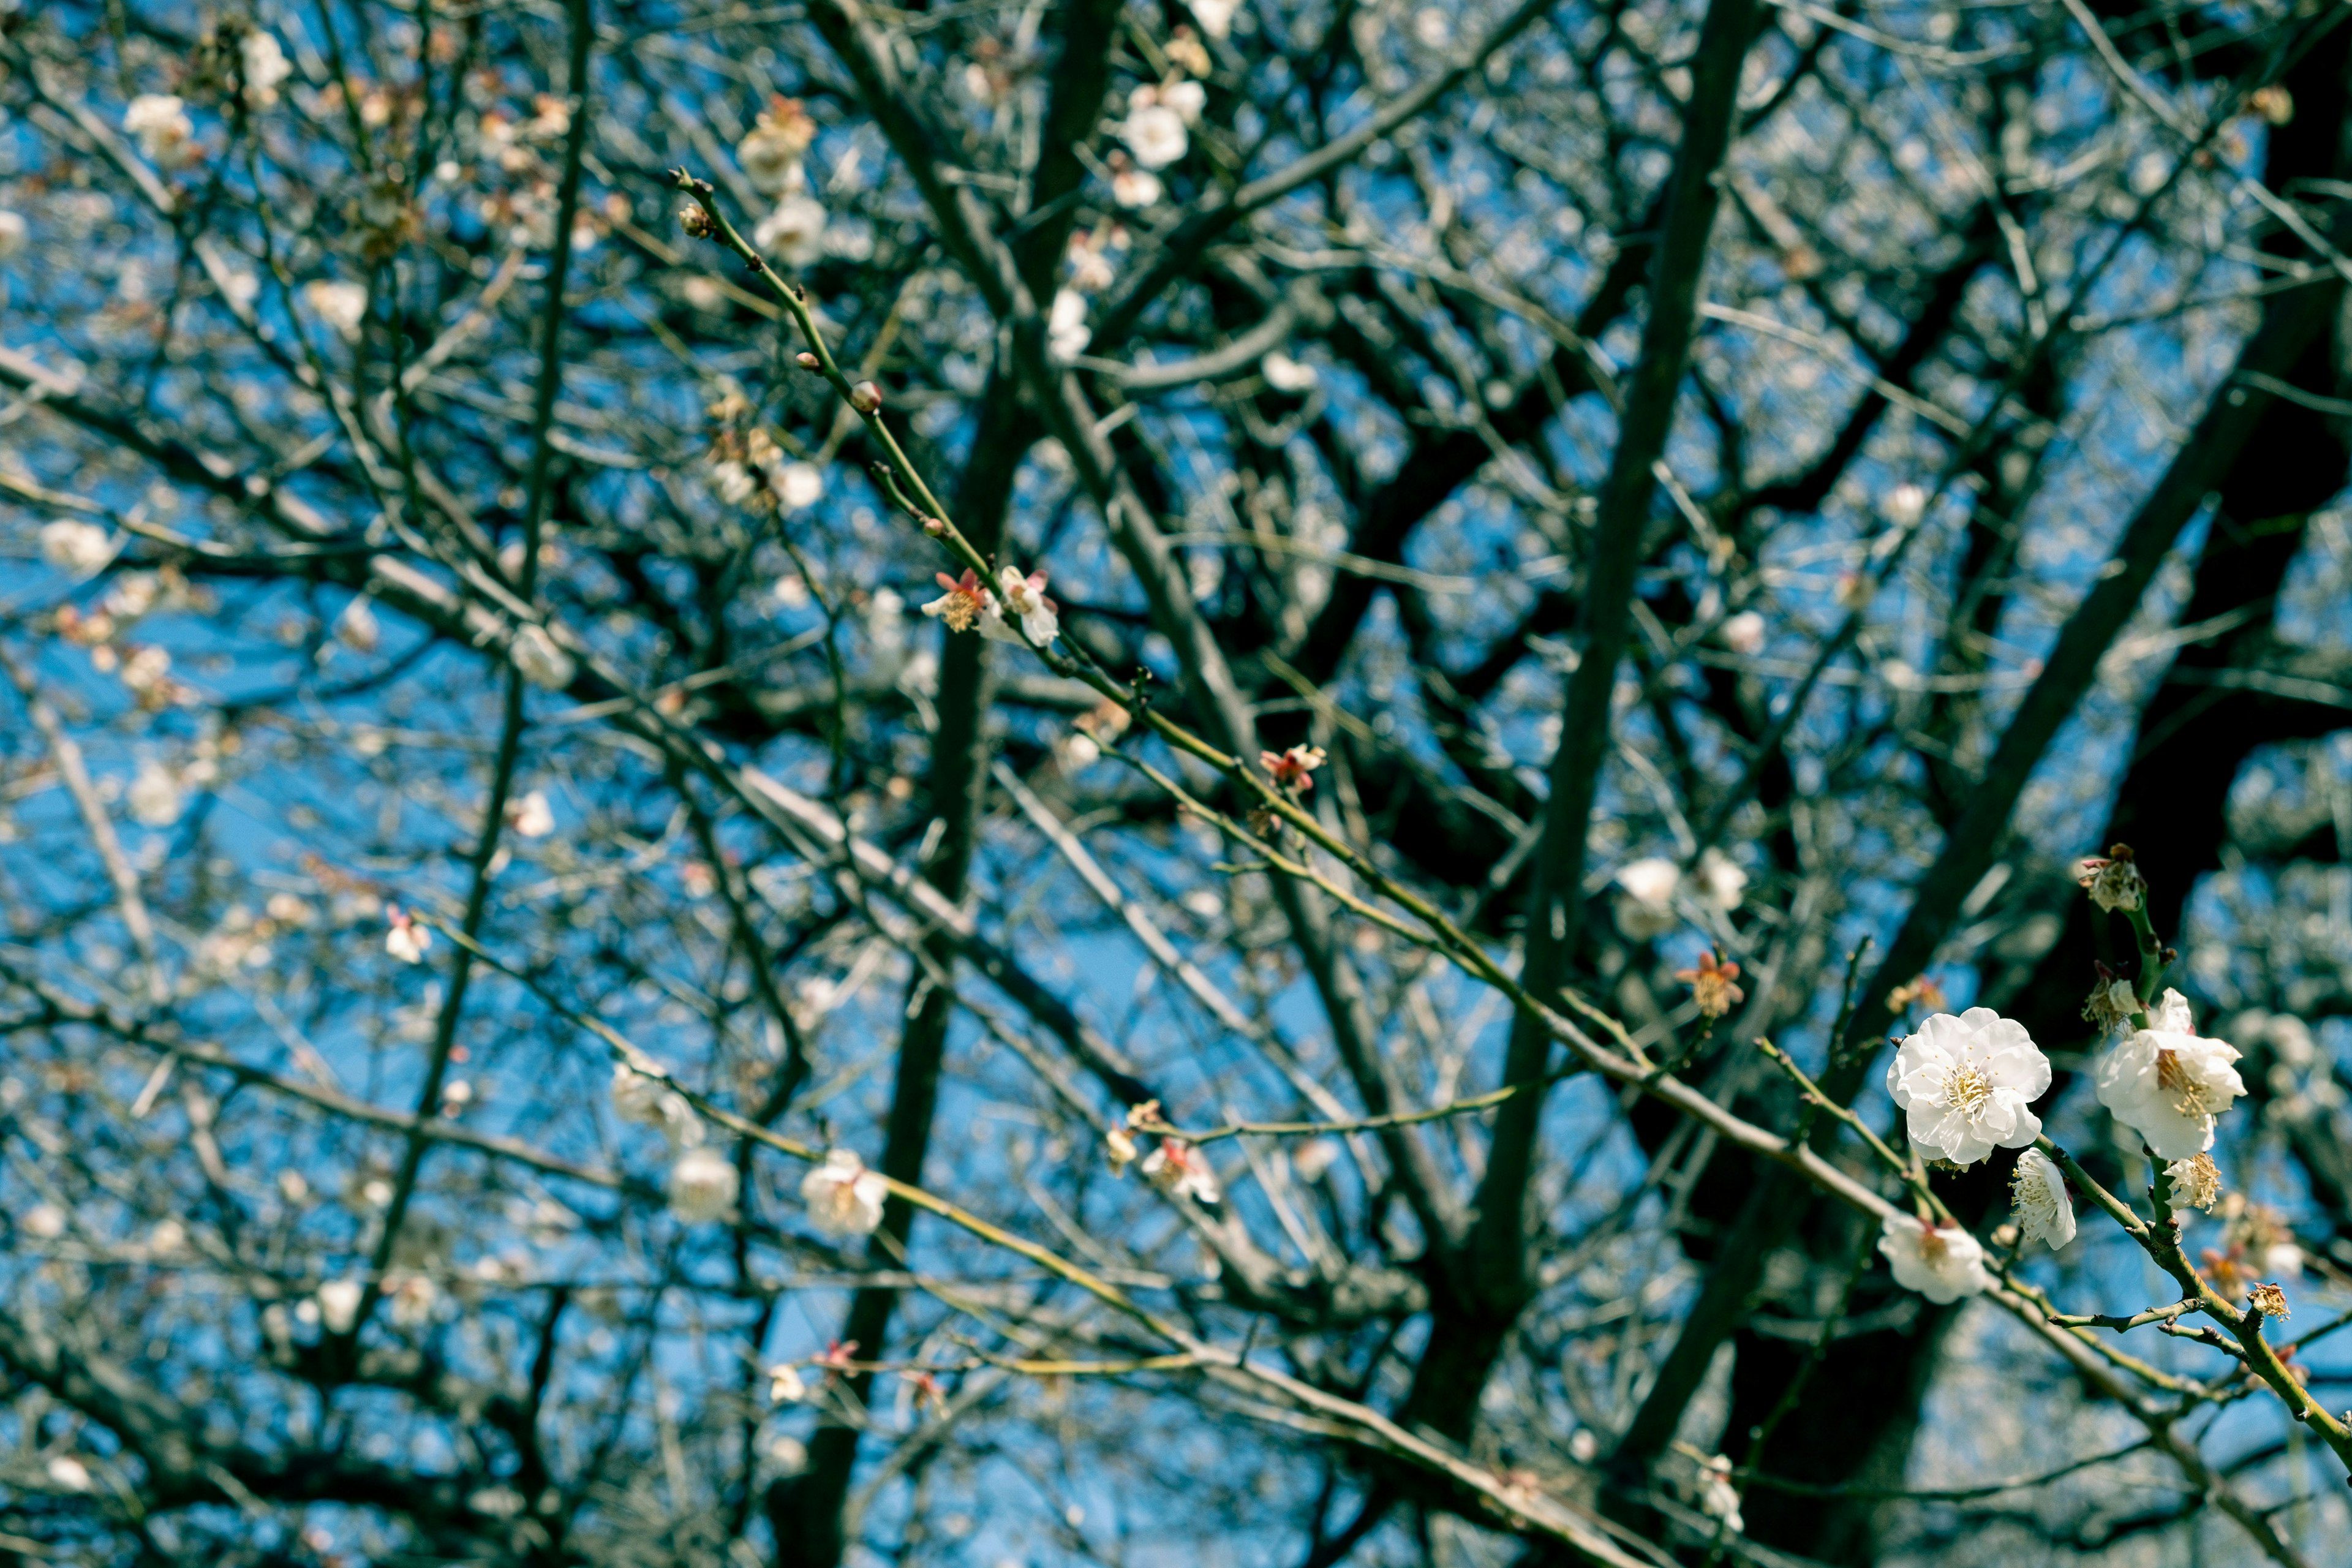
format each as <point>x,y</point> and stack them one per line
<point>1966,1082</point>
<point>2037,1191</point>
<point>342,305</point>
<point>1647,909</point>
<point>794,232</point>
<point>844,1197</point>
<point>1905,505</point>
<point>1188,98</point>
<point>1215,16</point>
<point>265,66</point>
<point>1153,132</point>
<point>1024,599</point>
<point>1132,186</point>
<point>338,1304</point>
<point>1744,633</point>
<point>14,233</point>
<point>44,1222</point>
<point>541,662</point>
<point>404,938</point>
<point>1183,1171</point>
<point>703,1183</point>
<point>1091,269</point>
<point>648,1102</point>
<point>531,816</point>
<point>1942,1263</point>
<point>80,548</point>
<point>165,133</point>
<point>785,1385</point>
<point>1718,1498</point>
<point>2169,1084</point>
<point>771,155</point>
<point>1066,332</point>
<point>1721,881</point>
<point>68,1474</point>
<point>155,796</point>
<point>964,604</point>
<point>2197,1184</point>
<point>799,484</point>
<point>1286,374</point>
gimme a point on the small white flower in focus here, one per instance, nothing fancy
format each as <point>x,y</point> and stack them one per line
<point>1188,98</point>
<point>1183,1171</point>
<point>800,486</point>
<point>338,1305</point>
<point>44,1222</point>
<point>1023,598</point>
<point>1646,911</point>
<point>541,662</point>
<point>1744,633</point>
<point>404,939</point>
<point>1905,505</point>
<point>155,796</point>
<point>1942,1264</point>
<point>1721,883</point>
<point>14,233</point>
<point>68,1474</point>
<point>1066,332</point>
<point>1154,131</point>
<point>1215,16</point>
<point>844,1197</point>
<point>357,628</point>
<point>342,306</point>
<point>1718,1498</point>
<point>2170,1085</point>
<point>265,66</point>
<point>80,548</point>
<point>785,1385</point>
<point>2197,1184</point>
<point>166,135</point>
<point>531,816</point>
<point>794,232</point>
<point>702,1186</point>
<point>2037,1191</point>
<point>1286,374</point>
<point>1132,186</point>
<point>1965,1084</point>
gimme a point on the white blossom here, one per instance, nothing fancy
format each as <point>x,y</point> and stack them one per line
<point>2170,1084</point>
<point>80,548</point>
<point>1188,98</point>
<point>770,155</point>
<point>155,796</point>
<point>1718,1498</point>
<point>1215,16</point>
<point>794,232</point>
<point>799,484</point>
<point>342,305</point>
<point>647,1101</point>
<point>531,816</point>
<point>733,481</point>
<point>785,1385</point>
<point>1966,1082</point>
<point>338,1304</point>
<point>14,233</point>
<point>703,1183</point>
<point>1286,374</point>
<point>1905,505</point>
<point>1183,1171</point>
<point>265,66</point>
<point>1646,909</point>
<point>1721,881</point>
<point>2037,1190</point>
<point>1023,598</point>
<point>1132,187</point>
<point>404,938</point>
<point>1942,1263</point>
<point>43,1222</point>
<point>165,133</point>
<point>68,1474</point>
<point>541,662</point>
<point>1066,332</point>
<point>1153,132</point>
<point>844,1197</point>
<point>357,627</point>
<point>413,1301</point>
<point>1744,633</point>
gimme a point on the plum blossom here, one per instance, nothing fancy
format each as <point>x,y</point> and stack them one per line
<point>1293,771</point>
<point>771,155</point>
<point>14,233</point>
<point>2170,1084</point>
<point>785,1385</point>
<point>1714,985</point>
<point>1024,599</point>
<point>541,662</point>
<point>165,133</point>
<point>1905,505</point>
<point>1942,1263</point>
<point>68,1474</point>
<point>1188,98</point>
<point>342,305</point>
<point>80,548</point>
<point>2112,879</point>
<point>1066,332</point>
<point>798,485</point>
<point>1966,1082</point>
<point>1215,16</point>
<point>1744,633</point>
<point>703,1183</point>
<point>963,604</point>
<point>1718,1498</point>
<point>531,816</point>
<point>404,938</point>
<point>2196,1183</point>
<point>647,1101</point>
<point>1647,909</point>
<point>844,1197</point>
<point>155,796</point>
<point>265,64</point>
<point>1183,1171</point>
<point>1154,131</point>
<point>338,1304</point>
<point>2037,1191</point>
<point>1132,186</point>
<point>1721,881</point>
<point>794,232</point>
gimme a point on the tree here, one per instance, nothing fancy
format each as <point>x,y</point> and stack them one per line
<point>811,783</point>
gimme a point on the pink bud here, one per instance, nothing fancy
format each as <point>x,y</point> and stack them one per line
<point>805,360</point>
<point>935,526</point>
<point>865,397</point>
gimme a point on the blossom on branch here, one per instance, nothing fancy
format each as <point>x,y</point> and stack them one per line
<point>2037,1190</point>
<point>80,548</point>
<point>1965,1084</point>
<point>1182,1171</point>
<point>1024,599</point>
<point>844,1197</point>
<point>703,1184</point>
<point>1293,769</point>
<point>406,940</point>
<point>1646,909</point>
<point>166,135</point>
<point>2196,1183</point>
<point>2169,1084</point>
<point>1942,1263</point>
<point>2113,881</point>
<point>963,604</point>
<point>1713,985</point>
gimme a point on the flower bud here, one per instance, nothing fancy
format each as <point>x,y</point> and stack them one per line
<point>865,397</point>
<point>935,526</point>
<point>806,361</point>
<point>694,220</point>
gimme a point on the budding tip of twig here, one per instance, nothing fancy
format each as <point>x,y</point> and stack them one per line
<point>865,397</point>
<point>935,526</point>
<point>807,361</point>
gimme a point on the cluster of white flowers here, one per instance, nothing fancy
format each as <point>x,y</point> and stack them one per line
<point>2170,1084</point>
<point>844,1197</point>
<point>154,795</point>
<point>1159,118</point>
<point>1965,1084</point>
<point>771,157</point>
<point>265,66</point>
<point>165,134</point>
